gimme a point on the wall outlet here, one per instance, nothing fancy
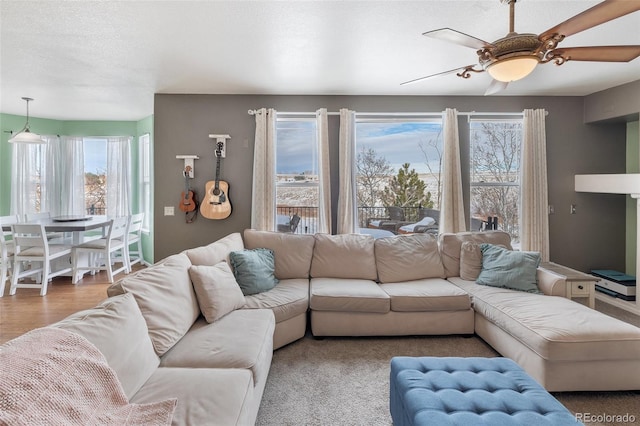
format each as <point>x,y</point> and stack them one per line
<point>169,211</point>
<point>551,209</point>
<point>572,209</point>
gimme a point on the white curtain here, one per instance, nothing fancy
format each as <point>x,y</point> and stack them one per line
<point>324,207</point>
<point>452,215</point>
<point>65,176</point>
<point>263,202</point>
<point>534,220</point>
<point>347,202</point>
<point>29,177</point>
<point>118,176</point>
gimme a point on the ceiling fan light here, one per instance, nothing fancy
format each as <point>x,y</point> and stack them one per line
<point>512,69</point>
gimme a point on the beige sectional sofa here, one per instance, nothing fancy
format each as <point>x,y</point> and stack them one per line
<point>152,331</point>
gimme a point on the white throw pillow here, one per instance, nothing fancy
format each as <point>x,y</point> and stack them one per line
<point>216,289</point>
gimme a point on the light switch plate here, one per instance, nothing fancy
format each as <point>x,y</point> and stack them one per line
<point>169,211</point>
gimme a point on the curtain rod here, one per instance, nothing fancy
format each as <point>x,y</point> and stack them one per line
<point>403,114</point>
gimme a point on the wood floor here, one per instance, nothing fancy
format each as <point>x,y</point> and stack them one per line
<point>27,310</point>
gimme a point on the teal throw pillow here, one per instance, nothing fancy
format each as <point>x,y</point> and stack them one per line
<point>254,269</point>
<point>505,268</point>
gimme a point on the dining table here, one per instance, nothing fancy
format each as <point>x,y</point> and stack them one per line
<point>74,224</point>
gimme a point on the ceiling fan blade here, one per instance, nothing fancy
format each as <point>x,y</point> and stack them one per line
<point>453,36</point>
<point>496,86</point>
<point>598,53</point>
<point>598,14</point>
<point>435,75</point>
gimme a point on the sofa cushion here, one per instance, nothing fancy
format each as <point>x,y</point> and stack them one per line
<point>205,396</point>
<point>288,299</point>
<point>217,291</point>
<point>254,270</point>
<point>509,269</point>
<point>293,252</point>
<point>344,256</point>
<point>450,245</point>
<point>470,260</point>
<point>242,339</point>
<point>166,299</point>
<point>348,295</point>
<point>116,327</point>
<point>430,294</point>
<point>217,251</point>
<point>408,257</point>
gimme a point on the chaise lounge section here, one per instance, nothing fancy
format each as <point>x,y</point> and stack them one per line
<point>563,344</point>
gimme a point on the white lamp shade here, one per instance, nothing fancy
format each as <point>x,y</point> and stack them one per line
<point>26,136</point>
<point>512,69</point>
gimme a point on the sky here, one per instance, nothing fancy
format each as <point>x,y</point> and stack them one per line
<point>398,142</point>
<point>95,155</point>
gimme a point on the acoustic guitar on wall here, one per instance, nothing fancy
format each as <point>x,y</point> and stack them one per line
<point>187,201</point>
<point>216,203</point>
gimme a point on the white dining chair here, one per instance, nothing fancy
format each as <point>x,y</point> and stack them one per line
<point>134,236</point>
<point>104,252</point>
<point>32,247</point>
<point>6,249</point>
<point>33,217</point>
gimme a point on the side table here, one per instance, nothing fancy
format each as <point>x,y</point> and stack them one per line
<point>578,283</point>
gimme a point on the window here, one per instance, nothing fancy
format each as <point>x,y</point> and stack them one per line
<point>145,180</point>
<point>297,184</point>
<point>398,164</point>
<point>495,147</point>
<point>95,175</point>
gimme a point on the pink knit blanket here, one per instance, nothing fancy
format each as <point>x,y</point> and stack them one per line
<point>51,376</point>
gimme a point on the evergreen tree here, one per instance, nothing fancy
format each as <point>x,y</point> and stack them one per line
<point>406,189</point>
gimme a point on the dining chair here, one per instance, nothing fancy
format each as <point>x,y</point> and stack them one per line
<point>32,217</point>
<point>31,245</point>
<point>134,236</point>
<point>103,252</point>
<point>6,249</point>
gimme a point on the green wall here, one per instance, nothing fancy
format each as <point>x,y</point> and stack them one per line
<point>14,123</point>
<point>633,166</point>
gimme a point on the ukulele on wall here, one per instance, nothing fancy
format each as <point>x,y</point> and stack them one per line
<point>216,204</point>
<point>187,201</point>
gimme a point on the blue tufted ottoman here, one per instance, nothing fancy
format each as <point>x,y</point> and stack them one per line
<point>470,391</point>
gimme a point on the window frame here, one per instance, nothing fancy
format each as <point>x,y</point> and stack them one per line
<point>144,180</point>
<point>307,224</point>
<point>510,184</point>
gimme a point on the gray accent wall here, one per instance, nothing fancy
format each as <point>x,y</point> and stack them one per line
<point>594,237</point>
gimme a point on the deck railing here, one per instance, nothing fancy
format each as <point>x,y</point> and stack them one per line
<point>309,216</point>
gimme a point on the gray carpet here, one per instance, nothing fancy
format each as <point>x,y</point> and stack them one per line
<point>345,381</point>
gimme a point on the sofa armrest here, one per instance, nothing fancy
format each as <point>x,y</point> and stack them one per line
<point>551,284</point>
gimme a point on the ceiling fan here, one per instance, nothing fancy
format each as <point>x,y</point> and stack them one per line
<point>515,56</point>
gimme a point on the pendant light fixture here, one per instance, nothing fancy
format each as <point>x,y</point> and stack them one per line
<point>25,135</point>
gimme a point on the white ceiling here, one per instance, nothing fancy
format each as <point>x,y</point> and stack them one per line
<point>104,60</point>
